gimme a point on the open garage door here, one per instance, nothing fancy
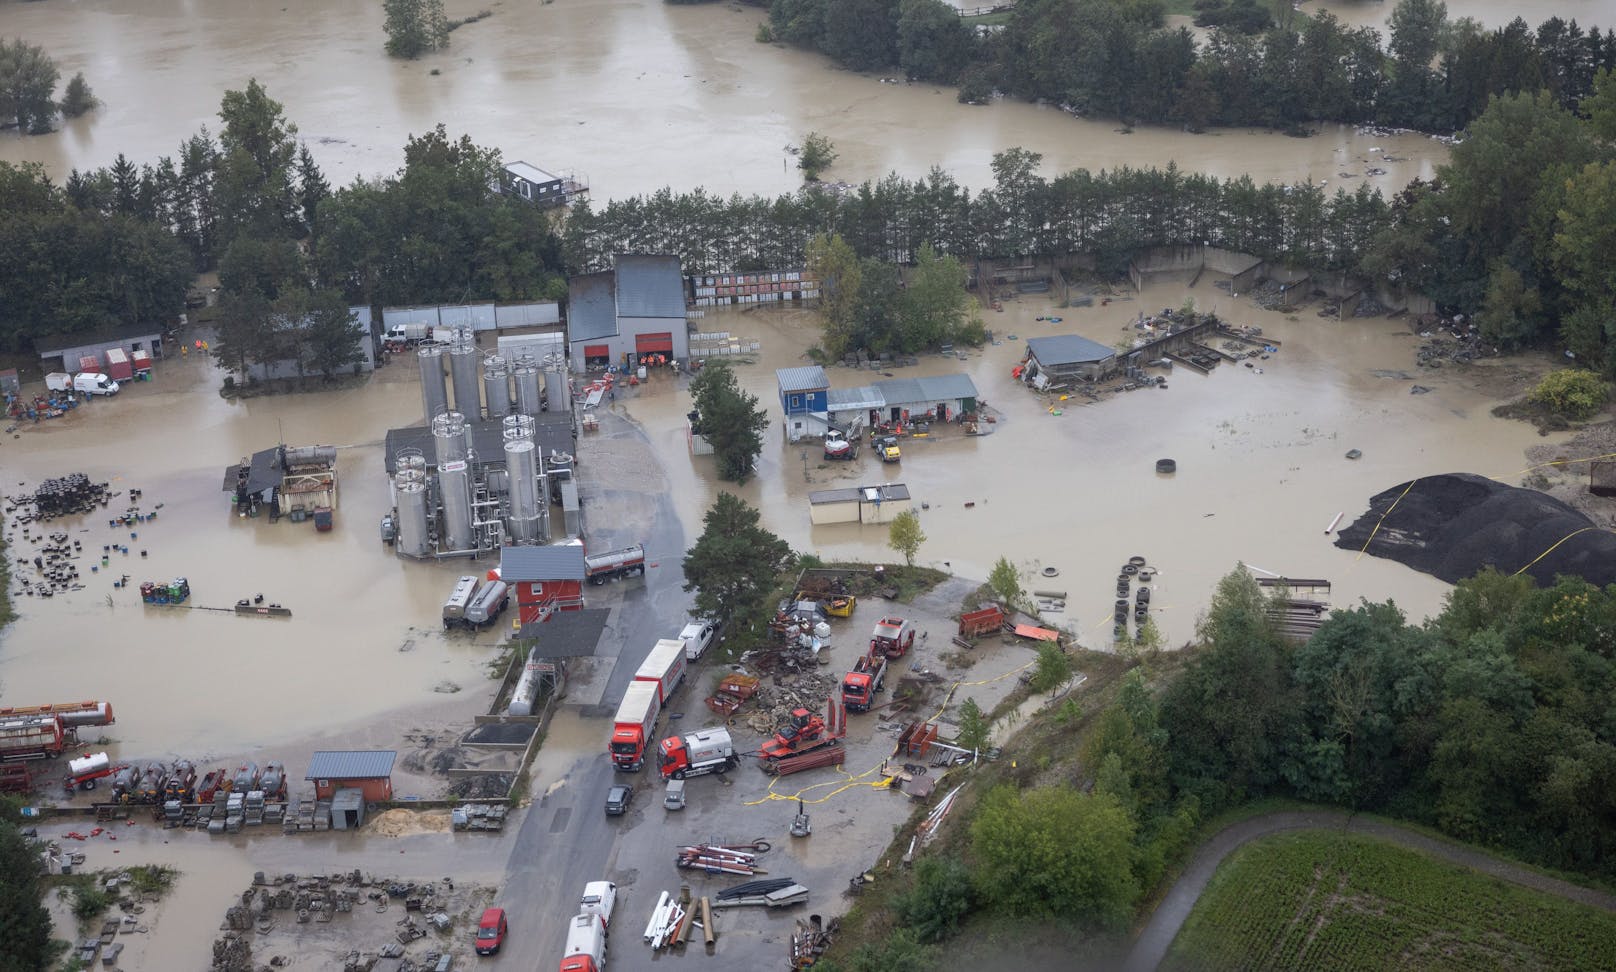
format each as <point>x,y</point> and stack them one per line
<point>659,343</point>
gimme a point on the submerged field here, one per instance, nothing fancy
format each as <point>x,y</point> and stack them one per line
<point>1320,900</point>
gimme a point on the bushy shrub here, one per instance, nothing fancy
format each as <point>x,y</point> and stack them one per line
<point>941,897</point>
<point>1573,393</point>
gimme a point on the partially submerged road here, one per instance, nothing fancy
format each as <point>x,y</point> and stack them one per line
<point>1153,943</point>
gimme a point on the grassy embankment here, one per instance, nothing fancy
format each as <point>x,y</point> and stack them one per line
<point>1316,898</point>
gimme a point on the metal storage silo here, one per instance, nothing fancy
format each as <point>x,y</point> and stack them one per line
<point>463,366</point>
<point>557,383</point>
<point>434,393</point>
<point>521,460</point>
<point>454,479</point>
<point>526,374</point>
<point>414,523</point>
<point>449,437</point>
<point>496,386</point>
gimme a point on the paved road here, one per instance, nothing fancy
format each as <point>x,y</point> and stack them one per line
<point>565,839</point>
<point>1153,943</point>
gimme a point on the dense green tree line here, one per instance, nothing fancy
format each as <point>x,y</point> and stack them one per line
<point>1492,722</point>
<point>63,268</point>
<point>1115,58</point>
<point>119,244</point>
<point>1110,213</point>
<point>1514,231</point>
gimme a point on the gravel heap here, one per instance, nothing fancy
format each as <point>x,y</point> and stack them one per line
<point>1455,524</point>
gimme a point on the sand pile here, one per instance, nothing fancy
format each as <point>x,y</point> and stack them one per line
<point>403,823</point>
<point>1455,524</point>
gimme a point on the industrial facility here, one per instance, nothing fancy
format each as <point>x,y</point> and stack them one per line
<point>493,459</point>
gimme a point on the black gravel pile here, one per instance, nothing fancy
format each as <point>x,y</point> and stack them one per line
<point>1455,524</point>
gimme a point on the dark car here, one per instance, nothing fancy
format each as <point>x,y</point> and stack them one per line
<point>618,798</point>
<point>491,931</point>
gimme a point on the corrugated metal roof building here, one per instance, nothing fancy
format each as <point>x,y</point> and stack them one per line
<point>622,315</point>
<point>71,347</point>
<point>1071,356</point>
<point>367,770</point>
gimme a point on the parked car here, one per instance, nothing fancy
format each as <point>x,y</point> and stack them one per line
<point>674,797</point>
<point>491,931</point>
<point>618,798</point>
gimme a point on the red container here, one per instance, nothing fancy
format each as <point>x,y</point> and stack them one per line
<point>118,366</point>
<point>90,364</point>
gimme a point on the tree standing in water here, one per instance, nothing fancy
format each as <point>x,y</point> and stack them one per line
<point>415,27</point>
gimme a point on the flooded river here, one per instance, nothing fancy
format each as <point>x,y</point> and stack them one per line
<point>593,86</point>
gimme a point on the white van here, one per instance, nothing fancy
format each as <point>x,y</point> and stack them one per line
<point>697,635</point>
<point>91,383</point>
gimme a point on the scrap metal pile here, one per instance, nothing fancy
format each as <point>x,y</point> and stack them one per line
<point>723,858</point>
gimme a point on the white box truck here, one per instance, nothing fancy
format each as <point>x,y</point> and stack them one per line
<point>586,944</point>
<point>59,381</point>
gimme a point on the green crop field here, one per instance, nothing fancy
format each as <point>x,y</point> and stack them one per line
<point>1321,900</point>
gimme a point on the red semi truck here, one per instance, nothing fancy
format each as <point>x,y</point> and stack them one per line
<point>634,726</point>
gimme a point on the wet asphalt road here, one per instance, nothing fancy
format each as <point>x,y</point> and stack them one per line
<point>566,840</point>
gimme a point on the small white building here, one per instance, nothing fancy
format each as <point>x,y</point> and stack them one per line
<point>858,504</point>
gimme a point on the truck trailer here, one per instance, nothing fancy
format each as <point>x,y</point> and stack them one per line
<point>586,944</point>
<point>32,737</point>
<point>696,754</point>
<point>664,667</point>
<point>486,607</point>
<point>634,724</point>
<point>454,608</point>
<point>627,562</point>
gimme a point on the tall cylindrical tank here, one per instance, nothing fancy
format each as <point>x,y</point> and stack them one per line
<point>521,461</point>
<point>463,366</point>
<point>409,465</point>
<point>454,487</point>
<point>557,385</point>
<point>449,437</point>
<point>434,393</point>
<point>414,525</point>
<point>496,386</point>
<point>526,374</point>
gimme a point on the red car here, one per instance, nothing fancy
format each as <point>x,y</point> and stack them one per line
<point>491,931</point>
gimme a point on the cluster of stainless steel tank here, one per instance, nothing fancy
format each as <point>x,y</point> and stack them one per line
<point>539,384</point>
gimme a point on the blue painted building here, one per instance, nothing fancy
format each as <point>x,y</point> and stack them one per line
<point>803,399</point>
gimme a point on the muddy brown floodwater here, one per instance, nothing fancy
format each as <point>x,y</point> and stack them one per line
<point>1261,467</point>
<point>365,636</point>
<point>594,86</point>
